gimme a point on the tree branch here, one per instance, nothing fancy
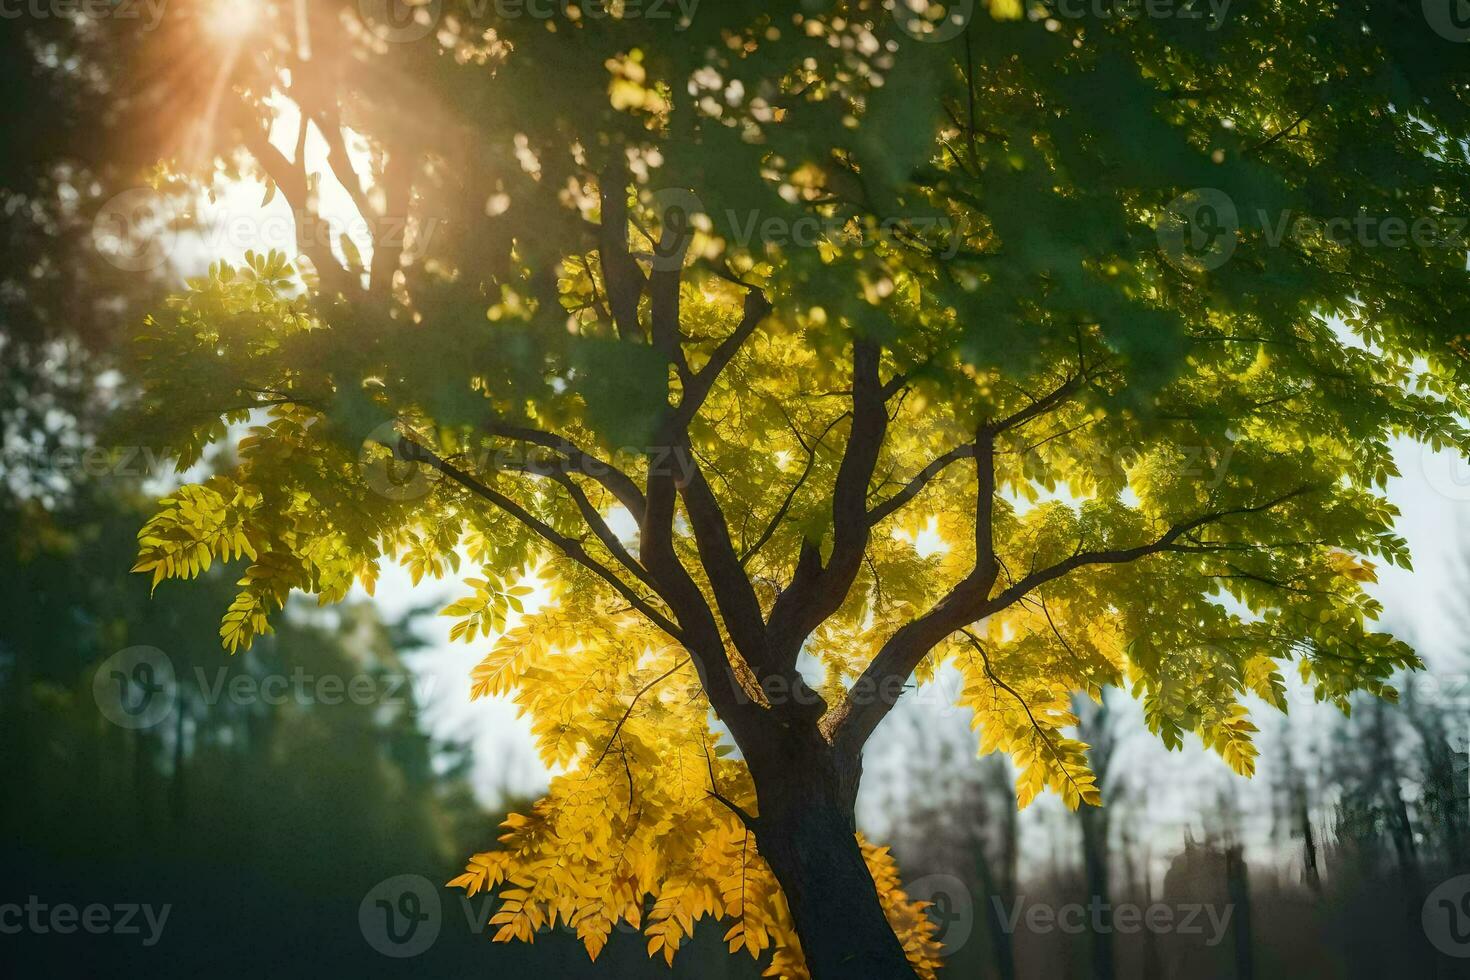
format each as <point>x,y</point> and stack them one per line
<point>912,488</point>
<point>816,591</point>
<point>780,514</point>
<point>398,174</point>
<point>699,386</point>
<point>1035,725</point>
<point>291,178</point>
<point>600,528</point>
<point>618,483</point>
<point>873,695</point>
<point>621,276</point>
<point>570,547</point>
<point>1123,556</point>
<point>683,594</point>
<point>631,705</point>
<point>733,591</point>
<point>1042,405</point>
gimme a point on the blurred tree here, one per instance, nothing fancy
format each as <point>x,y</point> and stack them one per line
<point>1292,809</point>
<point>94,120</point>
<point>958,819</point>
<point>268,789</point>
<point>262,773</point>
<point>1095,728</point>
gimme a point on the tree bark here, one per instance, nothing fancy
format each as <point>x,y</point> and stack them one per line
<point>1097,731</point>
<point>1095,864</point>
<point>807,833</point>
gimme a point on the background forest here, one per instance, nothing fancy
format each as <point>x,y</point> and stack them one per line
<point>267,825</point>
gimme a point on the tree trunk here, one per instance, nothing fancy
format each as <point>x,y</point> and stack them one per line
<point>1095,864</point>
<point>1097,731</point>
<point>806,831</point>
<point>996,927</point>
<point>1237,883</point>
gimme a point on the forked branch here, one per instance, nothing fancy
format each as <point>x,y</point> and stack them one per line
<point>875,692</point>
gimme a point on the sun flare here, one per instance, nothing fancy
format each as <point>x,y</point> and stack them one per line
<point>233,20</point>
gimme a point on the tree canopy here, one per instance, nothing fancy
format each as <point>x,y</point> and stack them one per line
<point>800,353</point>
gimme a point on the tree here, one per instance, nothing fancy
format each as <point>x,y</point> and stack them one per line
<point>1095,725</point>
<point>801,353</point>
<point>958,820</point>
<point>65,305</point>
<point>304,801</point>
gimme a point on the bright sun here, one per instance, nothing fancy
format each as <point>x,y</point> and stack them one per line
<point>232,20</point>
